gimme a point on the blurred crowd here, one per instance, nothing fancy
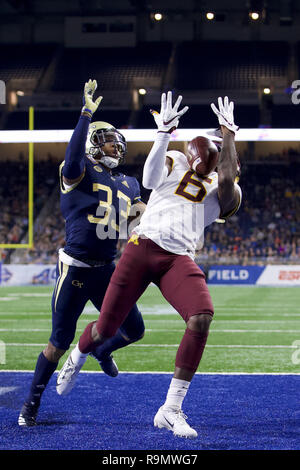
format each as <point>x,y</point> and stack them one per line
<point>266,229</point>
<point>49,236</point>
<point>14,209</point>
<point>13,193</point>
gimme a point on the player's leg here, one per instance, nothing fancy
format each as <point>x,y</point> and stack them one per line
<point>67,304</point>
<point>127,284</point>
<point>184,286</point>
<point>131,330</point>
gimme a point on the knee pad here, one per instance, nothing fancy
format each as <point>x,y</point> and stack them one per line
<point>200,323</point>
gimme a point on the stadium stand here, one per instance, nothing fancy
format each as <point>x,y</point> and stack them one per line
<point>62,119</point>
<point>24,61</point>
<point>48,236</point>
<point>285,116</point>
<point>14,199</point>
<point>200,116</point>
<point>266,228</point>
<point>118,68</point>
<point>255,232</point>
<point>13,192</point>
<point>241,66</point>
<point>229,64</point>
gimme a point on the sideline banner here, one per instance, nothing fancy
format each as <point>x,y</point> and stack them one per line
<point>280,275</point>
<point>27,274</point>
<point>271,275</point>
<point>234,274</point>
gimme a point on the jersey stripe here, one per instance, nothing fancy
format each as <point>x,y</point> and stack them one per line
<point>63,275</point>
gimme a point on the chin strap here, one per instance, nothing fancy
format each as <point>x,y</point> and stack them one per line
<point>109,162</point>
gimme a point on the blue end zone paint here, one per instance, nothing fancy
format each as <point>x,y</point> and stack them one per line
<point>253,412</point>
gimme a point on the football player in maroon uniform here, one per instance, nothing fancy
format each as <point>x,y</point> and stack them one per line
<point>162,251</point>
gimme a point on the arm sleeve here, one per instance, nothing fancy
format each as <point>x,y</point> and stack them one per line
<point>154,172</point>
<point>74,159</point>
<point>237,206</point>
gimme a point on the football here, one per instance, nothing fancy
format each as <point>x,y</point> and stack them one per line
<point>202,155</point>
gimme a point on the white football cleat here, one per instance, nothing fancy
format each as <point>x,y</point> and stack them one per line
<point>174,420</point>
<point>67,376</point>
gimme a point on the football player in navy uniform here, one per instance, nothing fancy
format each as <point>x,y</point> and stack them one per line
<point>95,201</point>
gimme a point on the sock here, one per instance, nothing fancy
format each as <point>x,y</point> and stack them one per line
<point>110,345</point>
<point>176,393</point>
<point>86,343</point>
<point>77,356</point>
<point>44,369</point>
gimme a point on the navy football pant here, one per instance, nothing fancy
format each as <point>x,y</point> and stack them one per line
<point>74,288</point>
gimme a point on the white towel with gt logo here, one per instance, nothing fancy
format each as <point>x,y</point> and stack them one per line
<point>180,208</point>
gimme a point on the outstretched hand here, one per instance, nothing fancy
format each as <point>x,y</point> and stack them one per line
<point>225,114</point>
<point>167,119</point>
<point>90,106</point>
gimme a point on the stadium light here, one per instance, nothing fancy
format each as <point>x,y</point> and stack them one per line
<point>158,16</point>
<point>267,91</point>
<point>210,16</point>
<point>254,15</point>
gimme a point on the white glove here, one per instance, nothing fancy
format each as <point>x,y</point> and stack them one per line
<point>225,114</point>
<point>168,118</point>
<point>90,106</point>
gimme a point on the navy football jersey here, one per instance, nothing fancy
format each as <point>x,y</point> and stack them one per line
<point>94,208</point>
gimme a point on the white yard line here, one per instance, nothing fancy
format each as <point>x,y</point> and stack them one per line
<point>19,330</point>
<point>159,330</point>
<point>181,326</point>
<point>30,294</point>
<point>248,346</point>
<point>217,314</point>
<point>28,314</point>
<point>4,390</point>
<point>169,322</point>
<point>162,372</point>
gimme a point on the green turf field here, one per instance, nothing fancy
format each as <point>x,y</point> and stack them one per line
<point>254,330</point>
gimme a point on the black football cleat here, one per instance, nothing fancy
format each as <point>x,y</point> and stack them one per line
<point>28,414</point>
<point>107,364</point>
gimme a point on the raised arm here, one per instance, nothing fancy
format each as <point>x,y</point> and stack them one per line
<point>167,121</point>
<point>74,158</point>
<point>228,193</point>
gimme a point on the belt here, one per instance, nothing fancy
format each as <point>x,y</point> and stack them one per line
<point>90,262</point>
